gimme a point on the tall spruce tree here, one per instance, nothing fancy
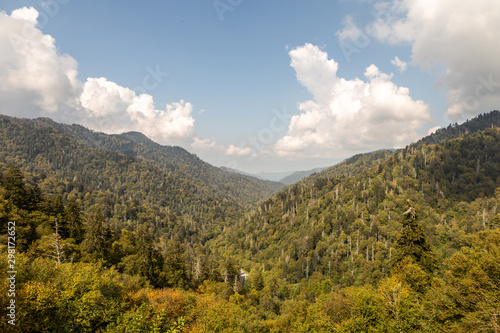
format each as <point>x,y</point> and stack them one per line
<point>413,243</point>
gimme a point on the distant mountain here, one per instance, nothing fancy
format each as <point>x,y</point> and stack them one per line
<point>299,175</point>
<point>285,178</point>
<point>352,165</point>
<point>243,189</point>
<point>241,172</point>
<point>275,176</point>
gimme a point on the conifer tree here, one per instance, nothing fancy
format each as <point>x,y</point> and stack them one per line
<point>97,235</point>
<point>413,243</point>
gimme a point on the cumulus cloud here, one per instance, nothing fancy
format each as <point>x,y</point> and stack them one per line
<point>233,150</point>
<point>346,115</point>
<point>461,39</point>
<point>114,108</point>
<point>35,80</point>
<point>399,64</point>
<point>202,145</point>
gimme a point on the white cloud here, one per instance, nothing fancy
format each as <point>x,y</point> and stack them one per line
<point>111,108</point>
<point>350,32</point>
<point>35,80</point>
<point>30,15</point>
<point>346,115</point>
<point>433,130</point>
<point>399,64</point>
<point>459,38</point>
<point>233,150</point>
<point>201,145</point>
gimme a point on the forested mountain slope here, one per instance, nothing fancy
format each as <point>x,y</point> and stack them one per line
<point>243,189</point>
<point>299,175</point>
<point>404,241</point>
<point>351,166</point>
<point>359,162</point>
<point>479,123</point>
<point>344,229</point>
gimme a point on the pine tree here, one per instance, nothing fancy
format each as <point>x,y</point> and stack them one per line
<point>413,242</point>
<point>74,220</point>
<point>150,259</point>
<point>13,181</point>
<point>97,235</point>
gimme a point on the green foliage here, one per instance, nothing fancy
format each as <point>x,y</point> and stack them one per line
<point>103,223</point>
<point>97,235</point>
<point>413,242</point>
<point>66,297</point>
<point>470,293</point>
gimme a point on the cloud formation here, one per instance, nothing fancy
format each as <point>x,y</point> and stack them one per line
<point>233,150</point>
<point>114,108</point>
<point>461,39</point>
<point>348,115</point>
<point>399,64</point>
<point>35,80</point>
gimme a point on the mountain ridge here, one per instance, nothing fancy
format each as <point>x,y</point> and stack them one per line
<point>167,158</point>
<point>404,238</point>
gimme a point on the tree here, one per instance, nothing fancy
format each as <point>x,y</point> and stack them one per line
<point>74,221</point>
<point>97,235</point>
<point>473,284</point>
<point>413,243</point>
<point>13,181</point>
<point>150,259</point>
<point>175,265</point>
<point>257,280</point>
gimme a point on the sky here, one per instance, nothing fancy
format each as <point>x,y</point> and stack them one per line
<point>253,85</point>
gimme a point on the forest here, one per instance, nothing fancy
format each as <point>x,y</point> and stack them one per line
<point>115,233</point>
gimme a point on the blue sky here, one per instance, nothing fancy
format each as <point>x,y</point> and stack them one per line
<point>254,85</point>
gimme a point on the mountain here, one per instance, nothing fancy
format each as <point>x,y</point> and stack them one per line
<point>352,166</point>
<point>129,179</point>
<point>243,189</point>
<point>114,234</point>
<point>298,176</point>
<point>479,123</point>
<point>276,176</point>
<point>286,178</point>
<point>359,202</point>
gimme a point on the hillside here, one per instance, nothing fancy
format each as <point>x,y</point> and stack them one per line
<point>108,240</point>
<point>479,123</point>
<point>361,200</point>
<point>299,175</point>
<point>130,183</point>
<point>366,207</point>
<point>244,189</point>
<point>351,166</point>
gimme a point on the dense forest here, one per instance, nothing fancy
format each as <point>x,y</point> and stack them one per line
<point>115,233</point>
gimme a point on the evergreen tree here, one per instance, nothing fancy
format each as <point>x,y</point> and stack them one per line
<point>257,280</point>
<point>175,265</point>
<point>413,243</point>
<point>74,221</point>
<point>13,181</point>
<point>150,259</point>
<point>97,236</point>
